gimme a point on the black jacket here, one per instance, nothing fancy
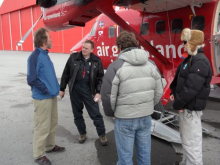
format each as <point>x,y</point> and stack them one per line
<point>191,84</point>
<point>72,67</point>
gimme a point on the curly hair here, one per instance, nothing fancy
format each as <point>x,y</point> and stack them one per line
<point>40,37</point>
<point>126,40</point>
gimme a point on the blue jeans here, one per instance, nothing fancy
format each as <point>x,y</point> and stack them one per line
<point>128,131</point>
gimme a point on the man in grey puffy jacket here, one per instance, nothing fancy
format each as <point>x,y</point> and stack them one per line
<point>131,88</point>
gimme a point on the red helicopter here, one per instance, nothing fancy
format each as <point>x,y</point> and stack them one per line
<point>156,24</point>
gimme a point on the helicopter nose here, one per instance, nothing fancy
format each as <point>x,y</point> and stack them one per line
<point>76,48</point>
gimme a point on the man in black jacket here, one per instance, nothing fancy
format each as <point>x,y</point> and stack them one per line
<point>190,91</point>
<point>83,73</point>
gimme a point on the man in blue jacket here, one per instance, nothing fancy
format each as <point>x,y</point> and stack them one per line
<point>42,78</point>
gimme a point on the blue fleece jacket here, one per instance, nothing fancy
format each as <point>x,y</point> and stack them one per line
<point>41,75</point>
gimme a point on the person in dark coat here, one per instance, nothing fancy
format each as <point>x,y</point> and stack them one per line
<point>190,91</point>
<point>83,73</point>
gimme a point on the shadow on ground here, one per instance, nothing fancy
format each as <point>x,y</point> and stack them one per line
<point>162,152</point>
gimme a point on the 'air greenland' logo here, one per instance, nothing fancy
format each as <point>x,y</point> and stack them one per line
<point>169,51</point>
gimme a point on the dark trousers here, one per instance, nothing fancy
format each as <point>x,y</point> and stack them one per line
<point>82,94</point>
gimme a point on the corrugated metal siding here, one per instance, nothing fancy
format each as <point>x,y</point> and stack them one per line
<point>6,32</point>
<point>13,5</point>
<point>1,36</point>
<point>36,14</point>
<point>57,45</point>
<point>15,29</point>
<point>26,24</point>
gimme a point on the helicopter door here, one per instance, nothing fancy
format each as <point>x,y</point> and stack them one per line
<point>216,49</point>
<point>216,40</point>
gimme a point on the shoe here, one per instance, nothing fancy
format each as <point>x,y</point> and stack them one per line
<point>43,161</point>
<point>104,140</point>
<point>56,149</point>
<point>177,163</point>
<point>82,138</point>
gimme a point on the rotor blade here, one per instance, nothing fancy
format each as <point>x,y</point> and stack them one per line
<point>29,31</point>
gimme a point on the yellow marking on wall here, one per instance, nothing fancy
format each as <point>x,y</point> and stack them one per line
<point>190,16</point>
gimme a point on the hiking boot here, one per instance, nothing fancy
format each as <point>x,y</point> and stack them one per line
<point>43,161</point>
<point>82,138</point>
<point>104,140</point>
<point>177,163</point>
<point>56,149</point>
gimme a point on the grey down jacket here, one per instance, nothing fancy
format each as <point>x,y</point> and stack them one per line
<point>131,86</point>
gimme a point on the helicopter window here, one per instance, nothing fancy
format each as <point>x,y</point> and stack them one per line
<point>92,33</point>
<point>121,30</point>
<point>198,23</point>
<point>218,25</point>
<point>145,28</point>
<point>177,25</point>
<point>61,1</point>
<point>111,32</point>
<point>160,27</point>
